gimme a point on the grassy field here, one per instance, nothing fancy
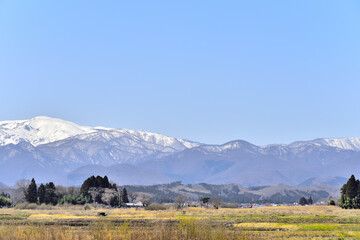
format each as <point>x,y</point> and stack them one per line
<point>295,222</point>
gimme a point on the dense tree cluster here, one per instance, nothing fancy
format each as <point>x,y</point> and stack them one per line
<point>100,190</point>
<point>350,194</point>
<point>96,182</point>
<point>44,194</point>
<point>303,201</point>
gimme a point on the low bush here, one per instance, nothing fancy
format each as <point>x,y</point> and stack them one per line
<point>5,202</point>
<point>44,206</point>
<point>26,205</point>
<point>75,200</point>
<point>156,206</point>
<point>229,205</point>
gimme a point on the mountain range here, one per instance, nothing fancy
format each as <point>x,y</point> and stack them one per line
<point>51,149</point>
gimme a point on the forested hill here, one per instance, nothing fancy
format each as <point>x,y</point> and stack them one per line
<point>235,193</point>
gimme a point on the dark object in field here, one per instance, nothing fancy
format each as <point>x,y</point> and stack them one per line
<point>102,214</point>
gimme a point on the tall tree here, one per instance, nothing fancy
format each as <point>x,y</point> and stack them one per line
<point>350,194</point>
<point>303,201</point>
<point>41,193</point>
<point>106,183</point>
<point>31,193</point>
<point>84,190</point>
<point>50,195</point>
<point>351,187</point>
<point>124,196</point>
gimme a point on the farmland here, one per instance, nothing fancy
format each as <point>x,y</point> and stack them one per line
<point>290,222</point>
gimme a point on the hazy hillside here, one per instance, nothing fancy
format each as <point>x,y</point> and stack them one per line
<point>235,192</point>
<point>250,165</point>
<point>121,174</point>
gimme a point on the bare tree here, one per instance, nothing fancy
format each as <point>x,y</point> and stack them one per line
<point>132,196</point>
<point>144,198</point>
<point>180,201</point>
<point>63,190</point>
<point>18,194</point>
<point>216,202</point>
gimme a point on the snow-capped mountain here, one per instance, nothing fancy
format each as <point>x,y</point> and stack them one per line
<point>39,130</point>
<point>54,149</point>
<point>57,147</point>
<point>42,130</point>
<point>352,143</point>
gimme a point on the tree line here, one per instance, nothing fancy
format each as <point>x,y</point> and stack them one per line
<point>303,201</point>
<point>42,194</point>
<point>93,190</point>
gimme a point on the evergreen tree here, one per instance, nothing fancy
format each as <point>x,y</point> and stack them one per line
<point>351,187</point>
<point>95,182</point>
<point>50,195</point>
<point>41,194</point>
<point>84,190</point>
<point>350,194</point>
<point>303,201</point>
<point>99,182</point>
<point>124,196</point>
<point>310,201</point>
<point>106,183</point>
<point>114,201</point>
<point>31,193</point>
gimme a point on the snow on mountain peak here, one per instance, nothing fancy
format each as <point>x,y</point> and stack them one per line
<point>38,130</point>
<point>352,143</point>
<point>42,130</point>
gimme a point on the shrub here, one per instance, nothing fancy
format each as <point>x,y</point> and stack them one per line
<point>75,200</point>
<point>5,202</point>
<point>156,206</point>
<point>332,202</point>
<point>229,205</point>
<point>44,206</point>
<point>26,205</point>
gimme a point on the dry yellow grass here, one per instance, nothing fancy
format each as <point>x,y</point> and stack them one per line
<point>295,222</point>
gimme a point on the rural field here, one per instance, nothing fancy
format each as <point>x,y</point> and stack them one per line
<point>292,222</point>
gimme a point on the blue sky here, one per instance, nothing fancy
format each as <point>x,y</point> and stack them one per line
<point>210,71</point>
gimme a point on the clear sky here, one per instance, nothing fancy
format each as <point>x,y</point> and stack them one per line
<point>209,71</point>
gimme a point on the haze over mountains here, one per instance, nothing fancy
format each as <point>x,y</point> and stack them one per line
<point>52,149</point>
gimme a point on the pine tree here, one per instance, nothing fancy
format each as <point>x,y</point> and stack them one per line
<point>114,201</point>
<point>310,201</point>
<point>124,196</point>
<point>84,190</point>
<point>303,201</point>
<point>350,194</point>
<point>31,194</point>
<point>351,187</point>
<point>41,194</point>
<point>106,183</point>
<point>50,195</point>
